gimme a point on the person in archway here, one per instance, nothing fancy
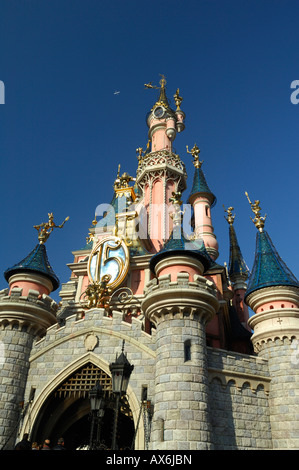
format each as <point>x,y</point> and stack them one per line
<point>60,444</point>
<point>24,444</point>
<point>46,445</point>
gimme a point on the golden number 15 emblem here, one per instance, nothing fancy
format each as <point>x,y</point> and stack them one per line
<point>109,256</point>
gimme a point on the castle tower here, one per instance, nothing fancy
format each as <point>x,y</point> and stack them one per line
<point>180,301</point>
<point>26,311</point>
<point>238,272</point>
<point>160,171</point>
<point>202,200</point>
<point>273,295</point>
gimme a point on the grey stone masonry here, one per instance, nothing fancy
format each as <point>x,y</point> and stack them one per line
<point>282,355</point>
<point>239,392</point>
<point>180,310</point>
<point>181,418</point>
<point>22,318</point>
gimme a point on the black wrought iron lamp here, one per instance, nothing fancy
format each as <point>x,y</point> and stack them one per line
<point>97,403</point>
<point>121,371</point>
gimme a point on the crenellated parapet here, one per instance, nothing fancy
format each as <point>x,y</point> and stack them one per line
<point>98,323</point>
<point>35,311</point>
<point>180,298</point>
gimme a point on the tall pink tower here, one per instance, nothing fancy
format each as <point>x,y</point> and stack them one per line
<point>160,171</point>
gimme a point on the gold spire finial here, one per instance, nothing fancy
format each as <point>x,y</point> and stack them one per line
<point>162,81</point>
<point>178,99</point>
<point>258,220</point>
<point>46,228</point>
<point>230,218</point>
<point>195,154</point>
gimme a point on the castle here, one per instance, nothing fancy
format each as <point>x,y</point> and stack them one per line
<point>204,374</point>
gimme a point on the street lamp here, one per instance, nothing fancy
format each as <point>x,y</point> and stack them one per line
<point>97,401</point>
<point>121,371</point>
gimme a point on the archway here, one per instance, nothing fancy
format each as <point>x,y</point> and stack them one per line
<point>66,412</point>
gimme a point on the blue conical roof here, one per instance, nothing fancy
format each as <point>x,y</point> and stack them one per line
<point>36,262</point>
<point>179,244</point>
<point>237,265</point>
<point>268,268</point>
<point>200,186</point>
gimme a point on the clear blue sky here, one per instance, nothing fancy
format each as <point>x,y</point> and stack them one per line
<point>63,131</point>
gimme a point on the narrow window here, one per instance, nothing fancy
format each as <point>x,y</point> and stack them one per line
<point>187,350</point>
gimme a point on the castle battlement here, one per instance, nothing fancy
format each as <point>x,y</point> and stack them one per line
<point>97,322</point>
<point>34,297</point>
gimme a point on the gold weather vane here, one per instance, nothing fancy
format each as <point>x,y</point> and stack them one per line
<point>162,83</point>
<point>258,220</point>
<point>195,154</point>
<point>46,228</point>
<point>230,218</point>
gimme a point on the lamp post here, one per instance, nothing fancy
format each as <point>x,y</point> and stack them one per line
<point>121,371</point>
<point>97,401</point>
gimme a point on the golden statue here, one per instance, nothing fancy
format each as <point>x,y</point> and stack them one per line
<point>195,154</point>
<point>46,228</point>
<point>176,198</point>
<point>125,179</point>
<point>258,220</point>
<point>230,218</point>
<point>98,294</point>
<point>91,235</point>
<point>178,99</point>
<point>140,153</point>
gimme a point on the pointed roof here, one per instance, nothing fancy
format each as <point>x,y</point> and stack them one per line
<point>200,185</point>
<point>237,265</point>
<point>179,244</point>
<point>36,262</point>
<point>268,268</point>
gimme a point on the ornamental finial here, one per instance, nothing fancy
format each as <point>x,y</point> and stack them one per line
<point>46,228</point>
<point>195,154</point>
<point>230,218</point>
<point>178,99</point>
<point>258,220</point>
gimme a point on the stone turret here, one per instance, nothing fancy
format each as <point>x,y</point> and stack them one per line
<point>273,295</point>
<point>180,301</point>
<point>26,311</point>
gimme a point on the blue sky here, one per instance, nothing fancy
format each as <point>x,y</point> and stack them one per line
<point>63,132</point>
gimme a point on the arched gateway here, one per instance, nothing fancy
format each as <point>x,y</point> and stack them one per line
<point>63,409</point>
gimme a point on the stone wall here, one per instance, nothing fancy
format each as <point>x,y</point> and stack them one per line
<point>95,338</point>
<point>239,389</point>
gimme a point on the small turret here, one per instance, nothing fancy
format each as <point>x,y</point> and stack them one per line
<point>202,199</point>
<point>238,271</point>
<point>273,295</point>
<point>26,311</point>
<point>163,121</point>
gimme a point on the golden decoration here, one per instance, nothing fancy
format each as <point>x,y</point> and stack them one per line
<point>46,228</point>
<point>98,293</point>
<point>258,220</point>
<point>195,154</point>
<point>178,99</point>
<point>230,218</point>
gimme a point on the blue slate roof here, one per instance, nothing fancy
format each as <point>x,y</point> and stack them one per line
<point>200,186</point>
<point>36,262</point>
<point>237,265</point>
<point>179,244</point>
<point>268,268</point>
